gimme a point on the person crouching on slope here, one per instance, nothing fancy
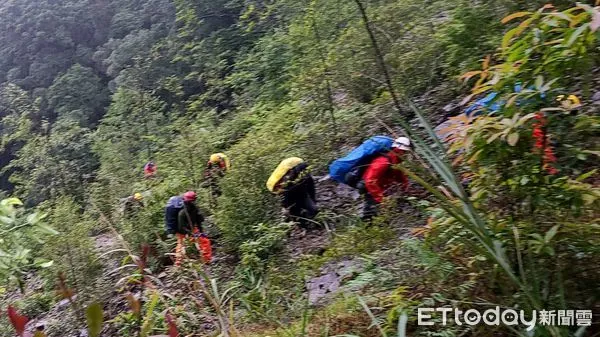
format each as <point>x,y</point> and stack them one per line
<point>217,166</point>
<point>292,181</point>
<point>189,226</point>
<point>380,175</point>
<point>149,170</point>
<point>132,205</point>
<point>172,209</point>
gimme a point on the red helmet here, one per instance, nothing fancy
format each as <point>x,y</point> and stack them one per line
<point>189,196</point>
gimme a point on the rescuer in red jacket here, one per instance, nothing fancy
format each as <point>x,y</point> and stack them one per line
<point>380,175</point>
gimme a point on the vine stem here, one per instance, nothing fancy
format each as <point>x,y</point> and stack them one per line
<point>381,61</point>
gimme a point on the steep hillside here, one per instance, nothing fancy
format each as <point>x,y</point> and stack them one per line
<point>502,211</point>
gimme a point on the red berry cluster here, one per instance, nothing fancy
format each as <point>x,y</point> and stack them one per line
<point>542,143</point>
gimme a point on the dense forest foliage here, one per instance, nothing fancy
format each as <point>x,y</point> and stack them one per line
<point>503,212</point>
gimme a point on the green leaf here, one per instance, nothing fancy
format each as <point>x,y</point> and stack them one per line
<point>589,199</point>
<point>551,233</point>
<point>12,202</point>
<point>576,34</point>
<point>46,229</point>
<point>22,253</point>
<point>95,317</point>
<point>548,85</point>
<point>514,16</point>
<point>493,137</point>
<point>513,138</point>
<point>586,175</point>
<point>560,15</point>
<point>537,237</point>
<point>508,37</point>
<point>34,218</point>
<point>517,51</point>
<point>553,23</point>
<point>595,153</point>
<point>6,220</point>
<point>47,264</point>
<point>148,323</point>
<point>539,82</point>
<point>31,218</point>
<point>499,254</point>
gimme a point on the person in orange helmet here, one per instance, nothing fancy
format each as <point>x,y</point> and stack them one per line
<point>189,226</point>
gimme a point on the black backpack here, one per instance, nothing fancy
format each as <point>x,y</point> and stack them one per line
<point>354,177</point>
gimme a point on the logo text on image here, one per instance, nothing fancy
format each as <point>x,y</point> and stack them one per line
<point>496,316</point>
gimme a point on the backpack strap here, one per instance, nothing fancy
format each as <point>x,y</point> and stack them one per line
<point>188,216</point>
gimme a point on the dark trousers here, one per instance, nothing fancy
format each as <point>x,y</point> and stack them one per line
<point>215,189</point>
<point>299,200</point>
<point>370,207</point>
<point>305,207</point>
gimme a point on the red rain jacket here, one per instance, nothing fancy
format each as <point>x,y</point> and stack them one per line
<point>380,175</point>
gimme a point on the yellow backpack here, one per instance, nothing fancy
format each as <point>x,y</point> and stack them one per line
<point>282,169</point>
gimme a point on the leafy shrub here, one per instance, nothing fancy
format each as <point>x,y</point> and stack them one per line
<point>269,238</point>
<point>72,249</point>
<point>20,233</point>
<point>245,201</point>
<point>473,30</point>
<point>526,204</point>
<point>36,304</point>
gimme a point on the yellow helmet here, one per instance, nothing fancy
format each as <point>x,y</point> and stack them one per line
<point>138,196</point>
<point>218,157</point>
<point>575,100</point>
<point>569,102</point>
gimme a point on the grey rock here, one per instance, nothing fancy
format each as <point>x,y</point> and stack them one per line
<point>330,281</point>
<point>65,303</point>
<point>40,326</point>
<point>321,286</point>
